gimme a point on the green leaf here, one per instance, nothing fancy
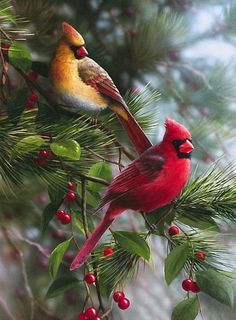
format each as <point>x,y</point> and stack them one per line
<point>175,261</point>
<point>16,103</point>
<point>56,257</point>
<point>77,221</point>
<point>61,285</point>
<point>133,243</point>
<point>69,149</point>
<point>48,214</point>
<point>20,56</point>
<point>206,223</point>
<point>186,310</point>
<point>28,144</point>
<point>100,170</point>
<point>216,285</point>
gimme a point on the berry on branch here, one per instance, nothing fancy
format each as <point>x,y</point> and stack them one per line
<point>90,278</point>
<point>173,231</point>
<point>118,295</point>
<point>200,255</point>
<point>123,303</point>
<point>91,313</point>
<point>187,284</point>
<point>108,252</point>
<point>70,196</point>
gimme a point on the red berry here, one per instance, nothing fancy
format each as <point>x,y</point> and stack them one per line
<point>118,295</point>
<point>65,219</point>
<point>71,185</point>
<point>123,303</point>
<point>41,162</point>
<point>200,255</point>
<point>91,313</point>
<point>195,288</point>
<point>108,252</point>
<point>89,278</point>
<point>70,196</point>
<point>187,284</point>
<point>82,316</point>
<point>33,97</point>
<point>59,214</point>
<point>44,154</point>
<point>173,231</point>
<point>32,75</point>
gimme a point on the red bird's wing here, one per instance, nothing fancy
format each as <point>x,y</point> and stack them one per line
<point>95,76</point>
<point>140,172</point>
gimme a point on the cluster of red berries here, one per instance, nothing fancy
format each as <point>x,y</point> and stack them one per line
<point>123,302</point>
<point>5,47</point>
<point>43,156</point>
<point>190,285</point>
<point>32,99</point>
<point>70,196</point>
<point>89,314</point>
<point>63,217</point>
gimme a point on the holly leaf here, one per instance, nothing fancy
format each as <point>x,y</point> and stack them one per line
<point>77,221</point>
<point>20,56</point>
<point>56,257</point>
<point>216,285</point>
<point>186,310</point>
<point>61,285</point>
<point>100,170</point>
<point>175,261</point>
<point>133,243</point>
<point>28,144</point>
<point>69,149</point>
<point>16,103</point>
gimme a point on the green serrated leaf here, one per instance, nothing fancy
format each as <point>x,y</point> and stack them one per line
<point>216,285</point>
<point>28,144</point>
<point>100,170</point>
<point>56,257</point>
<point>175,262</point>
<point>20,56</point>
<point>77,221</point>
<point>61,285</point>
<point>186,310</point>
<point>133,243</point>
<point>69,149</point>
<point>16,103</point>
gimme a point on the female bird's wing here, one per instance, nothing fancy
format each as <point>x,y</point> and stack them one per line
<point>140,172</point>
<point>95,76</point>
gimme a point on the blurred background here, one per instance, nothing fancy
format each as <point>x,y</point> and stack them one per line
<point>184,49</point>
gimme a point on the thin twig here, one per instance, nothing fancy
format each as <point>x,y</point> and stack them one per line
<point>105,159</point>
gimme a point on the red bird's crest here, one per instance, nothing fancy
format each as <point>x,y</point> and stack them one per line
<point>175,130</point>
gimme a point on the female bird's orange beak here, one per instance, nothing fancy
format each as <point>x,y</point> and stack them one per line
<point>186,147</point>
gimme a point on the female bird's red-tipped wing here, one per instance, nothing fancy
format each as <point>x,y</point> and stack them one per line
<point>137,174</point>
<point>95,76</point>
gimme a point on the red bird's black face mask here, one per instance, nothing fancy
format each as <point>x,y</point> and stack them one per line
<point>183,148</point>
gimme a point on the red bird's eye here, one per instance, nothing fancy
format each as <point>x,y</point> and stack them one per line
<point>81,52</point>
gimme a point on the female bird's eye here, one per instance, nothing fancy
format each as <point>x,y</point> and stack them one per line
<point>81,52</point>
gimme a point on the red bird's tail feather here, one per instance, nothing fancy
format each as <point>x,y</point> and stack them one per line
<point>90,243</point>
<point>135,133</point>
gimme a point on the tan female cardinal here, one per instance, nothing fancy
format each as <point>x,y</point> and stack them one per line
<point>81,83</point>
<point>151,181</point>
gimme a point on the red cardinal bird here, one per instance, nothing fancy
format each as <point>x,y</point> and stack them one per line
<point>149,182</point>
<point>81,83</point>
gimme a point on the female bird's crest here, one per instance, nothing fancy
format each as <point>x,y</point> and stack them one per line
<point>175,130</point>
<point>72,36</point>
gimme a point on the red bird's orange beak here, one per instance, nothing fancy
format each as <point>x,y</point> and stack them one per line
<point>186,147</point>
